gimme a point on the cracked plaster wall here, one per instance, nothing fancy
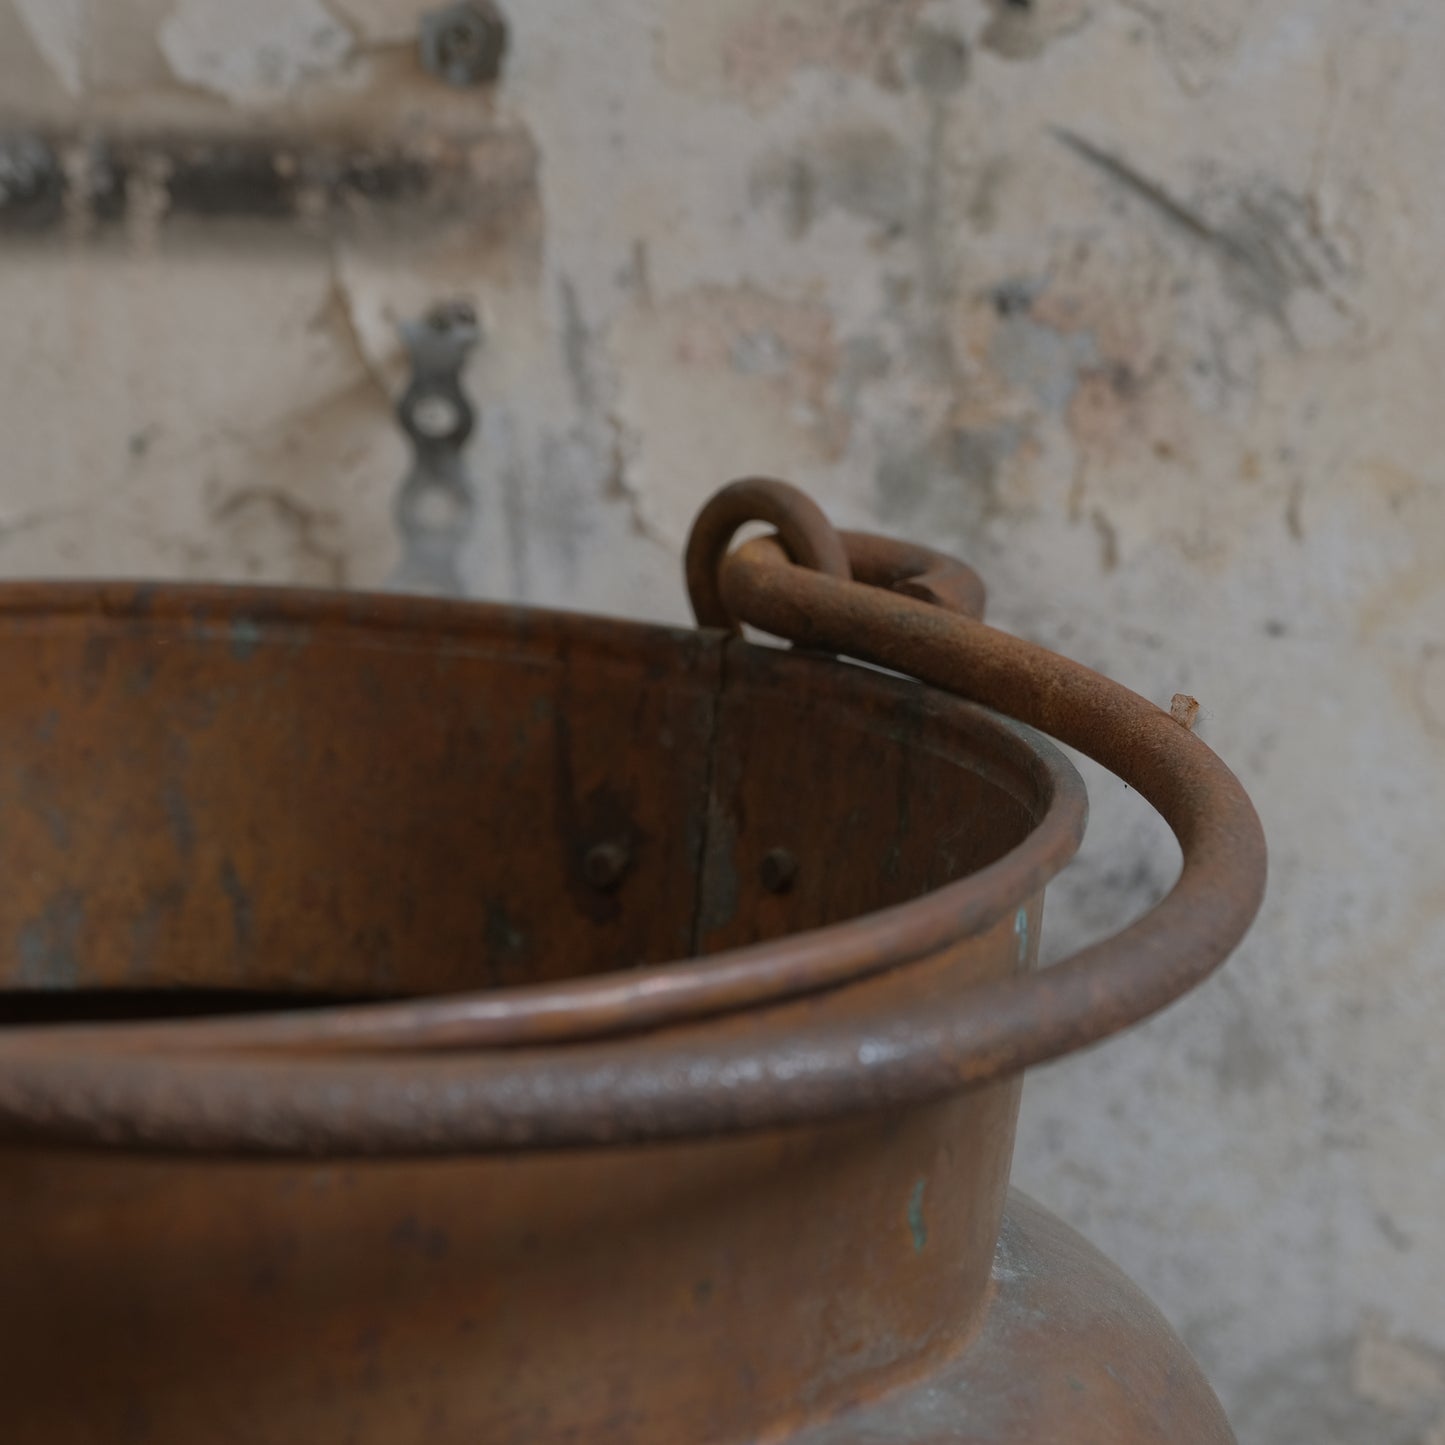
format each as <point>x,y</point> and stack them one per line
<point>1134,304</point>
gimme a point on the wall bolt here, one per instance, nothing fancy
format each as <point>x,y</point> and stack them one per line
<point>463,44</point>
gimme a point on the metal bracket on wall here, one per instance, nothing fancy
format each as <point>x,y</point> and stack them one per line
<point>434,508</point>
<point>88,184</point>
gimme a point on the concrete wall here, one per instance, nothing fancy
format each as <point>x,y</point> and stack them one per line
<point>1135,303</point>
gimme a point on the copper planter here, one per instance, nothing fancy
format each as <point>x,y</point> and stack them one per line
<point>352,1089</point>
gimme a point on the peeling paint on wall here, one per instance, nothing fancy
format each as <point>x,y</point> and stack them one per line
<point>1021,29</point>
<point>1133,304</point>
<point>749,49</point>
<point>256,52</point>
<point>58,29</point>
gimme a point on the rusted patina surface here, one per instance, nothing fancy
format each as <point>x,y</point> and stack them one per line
<point>707,967</point>
<point>206,788</point>
<point>564,733</point>
<point>703,1291</point>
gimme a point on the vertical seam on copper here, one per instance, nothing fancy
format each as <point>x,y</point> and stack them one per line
<point>709,772</point>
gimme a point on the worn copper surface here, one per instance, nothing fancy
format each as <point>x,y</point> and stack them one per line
<point>707,966</point>
<point>447,663</point>
<point>1068,1352</point>
<point>713,1290</point>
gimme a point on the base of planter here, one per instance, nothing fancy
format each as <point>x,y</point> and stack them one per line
<point>1070,1353</point>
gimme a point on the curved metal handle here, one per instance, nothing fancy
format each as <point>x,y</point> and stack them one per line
<point>998,1028</point>
<point>802,527</point>
<point>811,540</point>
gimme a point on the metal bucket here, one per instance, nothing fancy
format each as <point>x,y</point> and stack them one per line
<point>464,1023</point>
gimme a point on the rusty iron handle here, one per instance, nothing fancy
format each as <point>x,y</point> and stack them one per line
<point>1001,1027</point>
<point>802,527</point>
<point>810,540</point>
<point>914,571</point>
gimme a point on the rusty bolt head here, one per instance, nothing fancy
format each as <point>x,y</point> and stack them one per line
<point>464,43</point>
<point>778,870</point>
<point>605,864</point>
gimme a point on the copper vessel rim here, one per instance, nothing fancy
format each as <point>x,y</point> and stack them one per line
<point>621,1000</point>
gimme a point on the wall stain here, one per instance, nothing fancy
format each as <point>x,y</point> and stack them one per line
<point>306,526</point>
<point>1270,246</point>
<point>750,50</point>
<point>576,346</point>
<point>1023,29</point>
<point>1294,521</point>
<point>951,480</point>
<point>941,60</point>
<point>863,171</point>
<point>1040,359</point>
<point>1430,688</point>
<point>1108,539</point>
